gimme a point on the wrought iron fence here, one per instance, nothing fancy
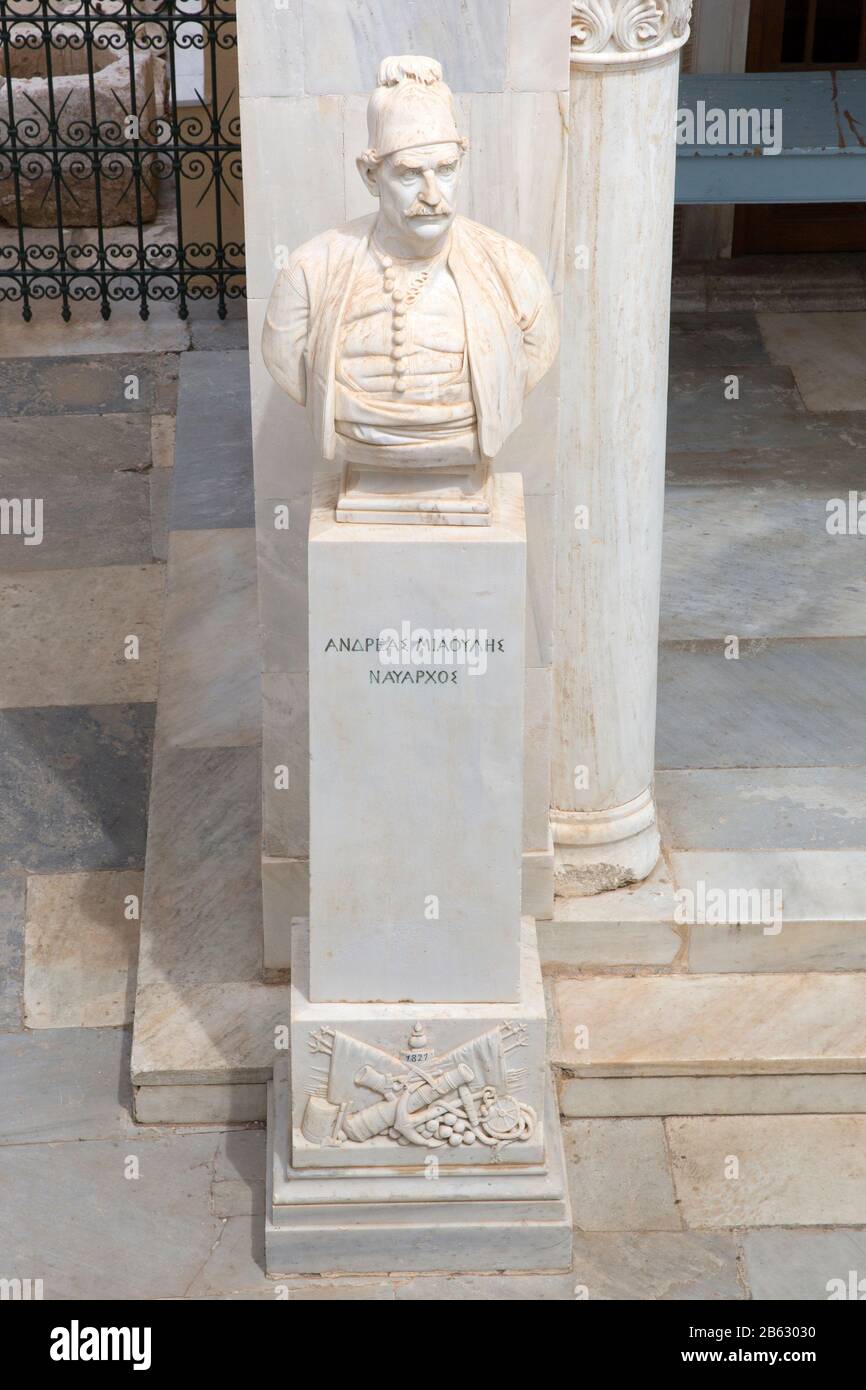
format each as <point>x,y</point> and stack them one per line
<point>120,169</point>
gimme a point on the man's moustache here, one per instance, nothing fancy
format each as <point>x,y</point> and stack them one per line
<point>425,210</point>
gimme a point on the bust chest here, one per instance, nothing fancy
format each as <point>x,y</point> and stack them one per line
<point>403,328</point>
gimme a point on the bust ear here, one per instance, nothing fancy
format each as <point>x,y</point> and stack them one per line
<point>368,173</point>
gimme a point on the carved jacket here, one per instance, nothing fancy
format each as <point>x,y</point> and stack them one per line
<point>512,333</point>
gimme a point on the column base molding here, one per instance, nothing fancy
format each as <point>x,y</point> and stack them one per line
<point>596,851</point>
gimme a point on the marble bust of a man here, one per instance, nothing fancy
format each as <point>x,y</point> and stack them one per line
<point>413,335</point>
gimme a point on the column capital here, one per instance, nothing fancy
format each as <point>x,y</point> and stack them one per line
<point>626,32</point>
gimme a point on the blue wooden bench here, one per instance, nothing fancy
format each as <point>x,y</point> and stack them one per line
<point>822,158</point>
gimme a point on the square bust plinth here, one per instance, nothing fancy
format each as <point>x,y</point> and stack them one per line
<point>416,756</point>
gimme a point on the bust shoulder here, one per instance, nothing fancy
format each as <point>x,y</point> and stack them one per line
<point>519,270</point>
<point>317,257</point>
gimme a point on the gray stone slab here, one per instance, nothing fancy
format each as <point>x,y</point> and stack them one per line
<point>63,635</point>
<point>212,334</point>
<point>618,1176</point>
<point>484,1288</point>
<point>796,808</point>
<point>89,385</point>
<point>74,786</point>
<point>768,415</point>
<point>834,467</point>
<point>12,892</point>
<point>781,704</point>
<point>65,1083</point>
<point>758,562</point>
<point>805,283</point>
<point>80,1224</point>
<point>91,473</point>
<point>160,485</point>
<point>806,1266</point>
<point>235,1270</point>
<point>705,340</point>
<point>202,895</point>
<point>826,352</point>
<point>657,1267</point>
<point>89,335</point>
<point>213,449</point>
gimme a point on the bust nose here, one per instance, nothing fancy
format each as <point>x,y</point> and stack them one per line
<point>430,192</point>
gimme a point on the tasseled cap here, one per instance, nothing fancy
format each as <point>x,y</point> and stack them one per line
<point>410,106</point>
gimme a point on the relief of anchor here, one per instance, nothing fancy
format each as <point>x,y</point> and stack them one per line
<point>461,1098</point>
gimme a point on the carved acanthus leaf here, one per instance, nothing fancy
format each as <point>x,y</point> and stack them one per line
<point>627,26</point>
<point>591,25</point>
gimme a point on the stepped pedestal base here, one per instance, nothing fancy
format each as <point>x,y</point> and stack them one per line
<point>372,1220</point>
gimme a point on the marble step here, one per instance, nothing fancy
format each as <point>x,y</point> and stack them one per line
<point>203,1029</point>
<point>710,1044</point>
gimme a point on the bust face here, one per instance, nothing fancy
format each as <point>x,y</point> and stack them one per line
<point>417,192</point>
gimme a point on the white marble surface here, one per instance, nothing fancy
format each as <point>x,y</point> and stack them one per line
<point>614,379</point>
<point>271,48</point>
<point>465,1221</point>
<point>430,773</point>
<point>345,1058</point>
<point>671,1025</point>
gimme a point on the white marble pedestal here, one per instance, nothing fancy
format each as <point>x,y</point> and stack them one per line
<point>415,1127</point>
<point>385,1205</point>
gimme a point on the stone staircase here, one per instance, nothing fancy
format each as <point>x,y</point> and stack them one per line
<point>650,1016</point>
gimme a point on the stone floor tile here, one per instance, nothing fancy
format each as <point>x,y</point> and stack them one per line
<point>88,385</point>
<point>656,1267</point>
<point>212,334</point>
<point>814,460</point>
<point>12,893</point>
<point>484,1288</point>
<point>75,786</point>
<point>95,508</point>
<point>202,900</point>
<point>826,352</point>
<point>235,1270</point>
<point>763,808</point>
<point>803,1265</point>
<point>213,449</point>
<point>210,693</point>
<point>88,334</point>
<point>768,413</point>
<point>619,1176</point>
<point>769,1170</point>
<point>706,340</point>
<point>64,635</point>
<point>81,949</point>
<point>160,485</point>
<point>65,1084</point>
<point>162,434</point>
<point>804,701</point>
<point>87,1230</point>
<point>758,562</point>
<point>701,1025</point>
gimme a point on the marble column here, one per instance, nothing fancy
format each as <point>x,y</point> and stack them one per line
<point>624,83</point>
